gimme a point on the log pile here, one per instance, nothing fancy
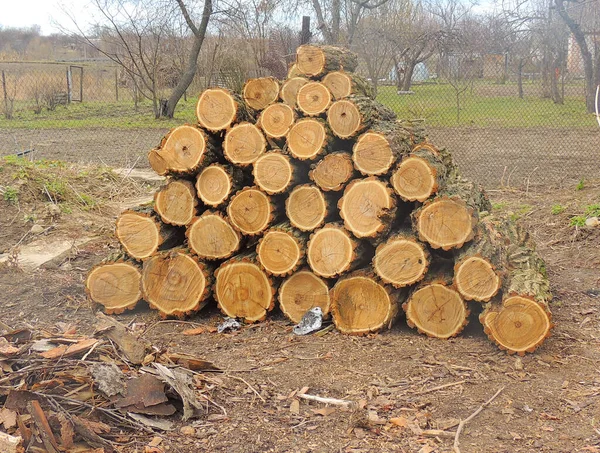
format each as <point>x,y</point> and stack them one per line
<point>309,193</point>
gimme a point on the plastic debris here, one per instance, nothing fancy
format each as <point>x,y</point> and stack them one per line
<point>229,324</point>
<point>311,321</point>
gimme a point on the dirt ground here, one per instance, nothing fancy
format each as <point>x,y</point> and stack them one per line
<point>550,400</point>
<point>512,157</point>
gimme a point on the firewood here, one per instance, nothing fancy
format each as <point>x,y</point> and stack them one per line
<point>243,144</point>
<point>420,175</point>
<point>331,251</point>
<point>218,108</point>
<point>333,171</point>
<point>435,308</point>
<point>289,90</point>
<point>176,202</point>
<point>306,207</point>
<point>302,291</point>
<point>259,93</point>
<point>115,283</point>
<point>367,207</point>
<point>348,117</point>
<point>313,61</point>
<point>142,234</point>
<point>243,290</point>
<point>215,183</point>
<point>281,250</point>
<point>212,237</point>
<point>175,283</point>
<point>274,172</point>
<point>250,211</point>
<point>360,304</point>
<point>182,151</point>
<point>308,138</point>
<point>401,260</point>
<point>343,84</point>
<point>313,98</point>
<point>276,120</point>
<point>377,150</point>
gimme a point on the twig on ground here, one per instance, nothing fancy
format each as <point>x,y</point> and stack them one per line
<point>333,401</point>
<point>249,386</point>
<point>439,387</point>
<point>462,423</point>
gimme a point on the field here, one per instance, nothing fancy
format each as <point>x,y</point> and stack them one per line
<point>549,401</point>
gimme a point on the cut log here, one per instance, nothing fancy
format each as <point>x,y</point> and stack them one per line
<point>348,117</point>
<point>444,222</point>
<point>175,283</point>
<point>314,61</point>
<point>141,234</point>
<point>243,144</point>
<point>115,284</point>
<point>243,289</point>
<point>250,211</point>
<point>293,72</point>
<point>313,98</point>
<point>273,172</point>
<point>308,138</point>
<point>280,250</point>
<point>302,291</point>
<point>215,183</point>
<point>360,304</point>
<point>217,109</point>
<point>306,207</point>
<point>182,151</point>
<point>376,151</point>
<point>435,308</point>
<point>289,90</point>
<point>419,176</point>
<point>276,120</point>
<point>331,251</point>
<point>258,93</point>
<point>401,260</point>
<point>367,207</point>
<point>176,202</point>
<point>212,237</point>
<point>333,171</point>
<point>343,84</point>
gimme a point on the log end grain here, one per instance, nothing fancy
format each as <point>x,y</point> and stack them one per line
<point>476,279</point>
<point>273,172</point>
<point>401,261</point>
<point>212,237</point>
<point>302,291</point>
<point>243,144</point>
<point>306,207</point>
<point>250,211</point>
<point>116,286</point>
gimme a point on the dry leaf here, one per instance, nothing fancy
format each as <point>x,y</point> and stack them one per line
<point>295,407</point>
<point>8,418</point>
<point>399,421</point>
<point>195,331</point>
<point>427,449</point>
<point>155,442</point>
<point>7,349</point>
<point>324,411</point>
<point>149,449</point>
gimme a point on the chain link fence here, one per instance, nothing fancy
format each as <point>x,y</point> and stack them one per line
<point>91,112</point>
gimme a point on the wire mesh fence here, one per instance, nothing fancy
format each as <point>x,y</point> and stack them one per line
<point>91,112</point>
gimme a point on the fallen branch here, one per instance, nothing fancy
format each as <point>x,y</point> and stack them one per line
<point>462,423</point>
<point>333,401</point>
<point>439,387</point>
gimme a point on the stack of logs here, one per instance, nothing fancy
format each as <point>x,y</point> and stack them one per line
<point>309,192</point>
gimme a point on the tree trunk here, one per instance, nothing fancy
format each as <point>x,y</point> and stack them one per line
<point>314,61</point>
<point>520,66</point>
<point>302,291</point>
<point>348,117</point>
<point>408,75</point>
<point>419,175</point>
<point>343,84</point>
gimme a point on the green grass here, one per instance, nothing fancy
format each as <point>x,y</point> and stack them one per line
<point>437,103</point>
<point>558,209</point>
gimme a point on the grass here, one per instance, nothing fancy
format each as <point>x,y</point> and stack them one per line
<point>557,209</point>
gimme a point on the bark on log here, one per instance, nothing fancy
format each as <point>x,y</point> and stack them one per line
<point>360,304</point>
<point>367,207</point>
<point>306,207</point>
<point>276,120</point>
<point>343,84</point>
<point>215,184</point>
<point>348,117</point>
<point>331,251</point>
<point>218,108</point>
<point>212,237</point>
<point>401,260</point>
<point>420,175</point>
<point>435,308</point>
<point>289,90</point>
<point>314,61</point>
<point>175,283</point>
<point>274,172</point>
<point>333,171</point>
<point>250,211</point>
<point>302,291</point>
<point>243,144</point>
<point>176,202</point>
<point>115,284</point>
<point>182,151</point>
<point>281,250</point>
<point>259,93</point>
<point>243,289</point>
<point>313,98</point>
<point>142,234</point>
<point>308,138</point>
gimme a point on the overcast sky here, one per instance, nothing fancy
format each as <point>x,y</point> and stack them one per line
<point>25,13</point>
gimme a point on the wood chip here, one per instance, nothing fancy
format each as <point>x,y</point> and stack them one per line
<point>69,351</point>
